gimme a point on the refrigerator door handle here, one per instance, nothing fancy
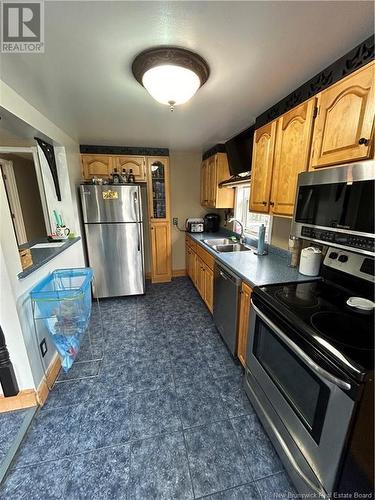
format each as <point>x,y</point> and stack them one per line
<point>136,205</point>
<point>136,208</point>
<point>139,235</point>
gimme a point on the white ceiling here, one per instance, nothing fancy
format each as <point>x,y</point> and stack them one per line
<point>258,52</point>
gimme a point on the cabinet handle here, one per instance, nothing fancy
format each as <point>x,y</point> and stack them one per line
<point>264,203</point>
<point>272,203</point>
<point>363,141</point>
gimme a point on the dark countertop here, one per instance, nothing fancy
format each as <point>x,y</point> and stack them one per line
<point>41,256</point>
<point>255,270</point>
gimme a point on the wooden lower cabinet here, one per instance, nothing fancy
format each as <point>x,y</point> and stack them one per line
<point>200,280</point>
<point>161,269</point>
<point>209,288</point>
<point>199,267</point>
<point>190,263</point>
<point>243,322</point>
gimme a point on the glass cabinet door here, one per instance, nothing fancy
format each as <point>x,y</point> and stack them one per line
<point>158,190</point>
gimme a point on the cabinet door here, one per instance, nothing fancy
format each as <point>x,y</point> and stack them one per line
<point>243,323</point>
<point>211,181</point>
<point>344,125</point>
<point>96,166</point>
<point>193,267</point>
<point>203,183</point>
<point>160,252</point>
<point>158,188</point>
<point>292,153</point>
<point>224,197</point>
<point>189,262</point>
<point>209,288</point>
<point>135,163</point>
<point>200,276</point>
<point>261,171</point>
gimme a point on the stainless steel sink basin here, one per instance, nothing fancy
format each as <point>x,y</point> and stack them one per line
<point>218,241</point>
<point>233,247</point>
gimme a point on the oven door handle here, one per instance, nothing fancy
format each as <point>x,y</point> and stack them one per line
<point>300,353</point>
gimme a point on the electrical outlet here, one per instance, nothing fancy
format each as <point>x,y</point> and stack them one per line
<point>43,347</point>
<point>175,221</point>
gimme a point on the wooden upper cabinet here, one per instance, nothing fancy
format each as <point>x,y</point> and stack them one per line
<point>103,166</point>
<point>158,187</point>
<point>203,183</point>
<point>215,170</point>
<point>136,163</point>
<point>344,125</point>
<point>292,155</point>
<point>261,171</point>
<point>243,322</point>
<point>211,181</point>
<point>96,166</point>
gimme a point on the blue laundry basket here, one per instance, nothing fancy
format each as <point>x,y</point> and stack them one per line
<point>63,301</point>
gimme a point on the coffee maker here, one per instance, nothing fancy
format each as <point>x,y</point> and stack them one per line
<point>211,223</point>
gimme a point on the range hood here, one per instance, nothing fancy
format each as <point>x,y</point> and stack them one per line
<point>237,180</point>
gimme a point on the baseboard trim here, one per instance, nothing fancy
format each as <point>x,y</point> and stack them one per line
<point>48,381</point>
<point>24,399</point>
<point>176,273</point>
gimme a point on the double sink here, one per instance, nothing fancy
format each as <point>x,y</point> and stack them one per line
<point>226,245</point>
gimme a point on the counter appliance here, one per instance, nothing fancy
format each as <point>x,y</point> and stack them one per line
<point>212,223</point>
<point>113,221</point>
<point>194,225</point>
<point>335,206</point>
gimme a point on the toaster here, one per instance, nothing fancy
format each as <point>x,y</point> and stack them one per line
<point>194,225</point>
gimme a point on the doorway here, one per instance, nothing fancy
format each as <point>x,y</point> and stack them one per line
<point>22,187</point>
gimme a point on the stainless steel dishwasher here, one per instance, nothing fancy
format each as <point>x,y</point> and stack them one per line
<point>226,300</point>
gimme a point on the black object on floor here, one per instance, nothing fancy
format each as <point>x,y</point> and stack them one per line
<point>8,379</point>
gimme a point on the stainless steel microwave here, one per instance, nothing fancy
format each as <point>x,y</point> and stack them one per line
<point>335,206</point>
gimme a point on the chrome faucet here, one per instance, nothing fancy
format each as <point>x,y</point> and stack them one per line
<point>242,237</point>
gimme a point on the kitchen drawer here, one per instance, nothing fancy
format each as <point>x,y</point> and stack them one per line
<point>207,258</point>
<point>191,243</point>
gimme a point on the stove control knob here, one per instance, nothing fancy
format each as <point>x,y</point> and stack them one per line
<point>343,258</point>
<point>333,255</point>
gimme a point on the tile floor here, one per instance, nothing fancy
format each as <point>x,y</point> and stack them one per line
<point>10,424</point>
<point>166,418</point>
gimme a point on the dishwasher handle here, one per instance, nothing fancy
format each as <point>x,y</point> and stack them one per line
<point>227,275</point>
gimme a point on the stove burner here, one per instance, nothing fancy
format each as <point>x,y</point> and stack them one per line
<point>343,329</point>
<point>292,298</point>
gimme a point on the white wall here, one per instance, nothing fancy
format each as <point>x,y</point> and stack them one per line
<point>12,330</point>
<point>18,328</point>
<point>185,198</point>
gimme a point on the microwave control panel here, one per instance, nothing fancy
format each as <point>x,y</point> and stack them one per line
<point>345,239</point>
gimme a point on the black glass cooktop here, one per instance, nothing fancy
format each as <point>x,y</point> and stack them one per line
<point>321,308</point>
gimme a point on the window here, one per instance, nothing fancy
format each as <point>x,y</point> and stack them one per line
<point>251,221</point>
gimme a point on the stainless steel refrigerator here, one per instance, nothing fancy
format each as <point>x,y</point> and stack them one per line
<point>112,216</point>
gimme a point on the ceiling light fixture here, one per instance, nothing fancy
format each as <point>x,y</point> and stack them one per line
<point>171,75</point>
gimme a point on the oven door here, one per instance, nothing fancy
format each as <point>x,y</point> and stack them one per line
<point>310,397</point>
